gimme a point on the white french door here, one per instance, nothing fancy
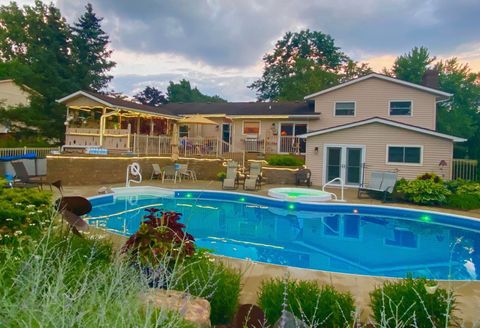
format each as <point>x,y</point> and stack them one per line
<point>345,162</point>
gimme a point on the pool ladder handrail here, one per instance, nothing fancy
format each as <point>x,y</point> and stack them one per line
<point>133,170</point>
<point>342,185</point>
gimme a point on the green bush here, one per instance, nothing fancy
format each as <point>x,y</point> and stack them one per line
<point>430,176</point>
<point>316,306</point>
<point>285,160</point>
<point>221,175</point>
<point>424,192</point>
<point>203,276</point>
<point>407,303</point>
<point>463,201</point>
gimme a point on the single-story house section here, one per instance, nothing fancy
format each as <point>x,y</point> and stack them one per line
<point>352,151</point>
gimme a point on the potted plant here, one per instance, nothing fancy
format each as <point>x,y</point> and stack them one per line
<point>431,286</point>
<point>158,244</point>
<point>221,175</point>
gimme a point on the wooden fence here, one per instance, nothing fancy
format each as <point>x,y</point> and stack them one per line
<point>466,169</point>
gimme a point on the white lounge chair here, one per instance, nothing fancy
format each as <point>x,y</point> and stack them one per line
<point>231,180</point>
<point>383,182</point>
<point>254,179</point>
<point>156,172</point>
<point>169,173</point>
<point>185,172</point>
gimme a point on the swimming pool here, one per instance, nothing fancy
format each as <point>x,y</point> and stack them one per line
<point>344,238</point>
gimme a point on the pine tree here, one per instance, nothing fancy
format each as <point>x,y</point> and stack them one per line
<point>91,51</point>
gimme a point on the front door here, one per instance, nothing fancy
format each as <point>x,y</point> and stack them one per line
<point>345,162</point>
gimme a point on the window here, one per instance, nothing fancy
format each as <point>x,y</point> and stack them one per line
<point>405,154</point>
<point>403,238</point>
<point>183,131</point>
<point>251,127</point>
<point>401,108</point>
<point>345,108</point>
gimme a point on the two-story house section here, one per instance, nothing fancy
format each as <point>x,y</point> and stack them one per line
<point>377,123</point>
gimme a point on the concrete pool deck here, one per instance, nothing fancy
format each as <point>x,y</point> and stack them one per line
<point>360,286</point>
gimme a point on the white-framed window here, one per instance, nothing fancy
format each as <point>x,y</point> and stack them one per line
<point>344,108</point>
<point>251,127</point>
<point>400,108</point>
<point>183,131</point>
<point>404,154</point>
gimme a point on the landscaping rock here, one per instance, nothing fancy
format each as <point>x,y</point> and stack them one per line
<point>290,321</point>
<point>193,309</point>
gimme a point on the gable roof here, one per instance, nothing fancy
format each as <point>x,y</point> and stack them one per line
<point>119,103</point>
<point>438,93</point>
<point>22,86</point>
<point>291,108</point>
<point>386,122</point>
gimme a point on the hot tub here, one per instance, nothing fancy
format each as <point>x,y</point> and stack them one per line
<point>300,194</point>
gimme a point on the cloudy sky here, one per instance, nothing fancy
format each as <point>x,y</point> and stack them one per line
<point>218,44</point>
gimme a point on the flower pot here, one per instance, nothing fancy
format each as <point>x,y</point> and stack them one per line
<point>431,289</point>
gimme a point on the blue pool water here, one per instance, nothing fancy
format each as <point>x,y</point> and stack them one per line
<point>358,239</point>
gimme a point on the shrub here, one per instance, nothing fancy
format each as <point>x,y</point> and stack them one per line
<point>316,306</point>
<point>203,276</point>
<point>463,201</point>
<point>160,236</point>
<point>453,185</point>
<point>285,160</point>
<point>430,176</point>
<point>407,303</point>
<point>221,175</point>
<point>424,192</point>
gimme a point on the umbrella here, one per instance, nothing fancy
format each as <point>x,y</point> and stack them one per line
<point>174,142</point>
<point>196,119</point>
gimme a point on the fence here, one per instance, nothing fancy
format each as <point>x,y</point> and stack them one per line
<point>151,145</point>
<point>199,146</point>
<point>254,145</point>
<point>466,169</point>
<point>39,151</point>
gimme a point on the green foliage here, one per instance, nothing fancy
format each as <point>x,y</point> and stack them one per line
<point>24,213</point>
<point>413,65</point>
<point>430,176</point>
<point>72,282</point>
<point>317,306</point>
<point>221,175</point>
<point>204,276</point>
<point>406,303</point>
<point>182,92</point>
<point>151,96</point>
<point>424,192</point>
<point>463,201</point>
<point>285,160</point>
<point>304,61</point>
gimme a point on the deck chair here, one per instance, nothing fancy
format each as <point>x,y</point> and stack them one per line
<point>156,172</point>
<point>71,208</point>
<point>382,182</point>
<point>303,176</point>
<point>169,173</point>
<point>23,179</point>
<point>185,172</point>
<point>231,180</point>
<point>254,179</point>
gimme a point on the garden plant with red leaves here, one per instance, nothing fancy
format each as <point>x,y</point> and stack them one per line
<point>160,236</point>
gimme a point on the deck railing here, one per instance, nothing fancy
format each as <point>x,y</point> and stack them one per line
<point>39,151</point>
<point>254,145</point>
<point>151,145</point>
<point>290,144</point>
<point>466,169</point>
<point>199,146</point>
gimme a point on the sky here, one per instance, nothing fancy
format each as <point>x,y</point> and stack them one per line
<point>218,44</point>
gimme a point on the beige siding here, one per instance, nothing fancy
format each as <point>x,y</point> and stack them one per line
<point>375,137</point>
<point>82,101</point>
<point>12,95</point>
<point>372,97</point>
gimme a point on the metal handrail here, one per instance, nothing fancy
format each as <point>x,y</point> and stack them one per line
<point>342,185</point>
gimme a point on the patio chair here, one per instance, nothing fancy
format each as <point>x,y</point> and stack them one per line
<point>303,176</point>
<point>231,180</point>
<point>254,179</point>
<point>71,208</point>
<point>156,172</point>
<point>169,173</point>
<point>23,179</point>
<point>185,172</point>
<point>382,182</point>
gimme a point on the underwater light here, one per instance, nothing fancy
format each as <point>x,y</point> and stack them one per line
<point>355,211</point>
<point>189,195</point>
<point>291,206</point>
<point>425,218</point>
<point>242,199</point>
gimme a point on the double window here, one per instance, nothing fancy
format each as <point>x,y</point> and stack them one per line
<point>401,108</point>
<point>404,154</point>
<point>345,108</point>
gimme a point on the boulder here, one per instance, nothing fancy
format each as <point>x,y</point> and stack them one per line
<point>289,320</point>
<point>193,309</point>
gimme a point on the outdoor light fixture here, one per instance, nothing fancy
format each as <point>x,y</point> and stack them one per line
<point>316,150</point>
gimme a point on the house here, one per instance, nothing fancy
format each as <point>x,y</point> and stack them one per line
<point>13,94</point>
<point>370,123</point>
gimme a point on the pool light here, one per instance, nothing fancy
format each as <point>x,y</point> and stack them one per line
<point>355,211</point>
<point>291,206</point>
<point>189,195</point>
<point>425,218</point>
<point>242,199</point>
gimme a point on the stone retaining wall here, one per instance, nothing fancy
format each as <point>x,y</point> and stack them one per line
<point>95,170</point>
<point>279,175</point>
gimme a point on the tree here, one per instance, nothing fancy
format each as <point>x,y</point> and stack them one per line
<point>91,51</point>
<point>151,96</point>
<point>183,92</point>
<point>412,66</point>
<point>302,55</point>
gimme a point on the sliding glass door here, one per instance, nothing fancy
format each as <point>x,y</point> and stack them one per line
<point>345,162</point>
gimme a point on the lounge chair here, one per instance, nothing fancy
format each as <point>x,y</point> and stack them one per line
<point>169,173</point>
<point>71,208</point>
<point>231,180</point>
<point>156,172</point>
<point>23,179</point>
<point>185,172</point>
<point>303,176</point>
<point>254,179</point>
<point>382,182</point>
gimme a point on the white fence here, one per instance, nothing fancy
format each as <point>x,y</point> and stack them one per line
<point>39,151</point>
<point>199,146</point>
<point>151,145</point>
<point>466,169</point>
